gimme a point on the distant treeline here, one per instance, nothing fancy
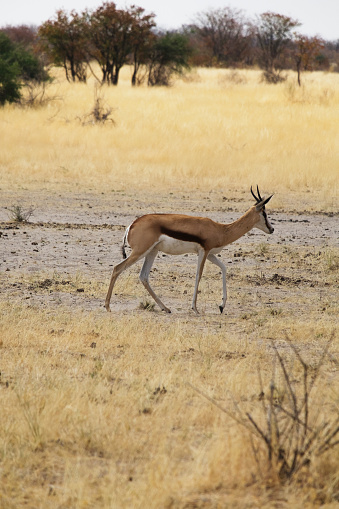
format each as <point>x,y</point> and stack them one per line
<point>222,37</point>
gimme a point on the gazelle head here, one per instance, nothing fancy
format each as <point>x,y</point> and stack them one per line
<point>263,222</point>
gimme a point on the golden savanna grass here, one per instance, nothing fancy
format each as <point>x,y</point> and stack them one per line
<point>215,129</point>
<point>99,412</point>
<point>105,410</point>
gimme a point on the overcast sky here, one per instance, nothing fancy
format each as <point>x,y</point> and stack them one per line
<point>318,17</point>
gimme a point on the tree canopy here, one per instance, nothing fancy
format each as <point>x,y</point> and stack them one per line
<point>17,67</point>
<point>274,32</point>
<point>64,41</point>
<point>169,55</point>
<point>114,37</point>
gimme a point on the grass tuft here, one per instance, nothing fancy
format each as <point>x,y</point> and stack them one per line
<point>19,214</point>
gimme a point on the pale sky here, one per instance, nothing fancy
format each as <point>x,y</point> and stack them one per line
<point>318,17</point>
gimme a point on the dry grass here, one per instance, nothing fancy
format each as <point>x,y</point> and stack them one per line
<point>98,410</point>
<point>209,131</point>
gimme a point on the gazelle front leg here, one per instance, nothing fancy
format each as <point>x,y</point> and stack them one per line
<point>202,255</point>
<point>212,258</point>
<point>144,274</point>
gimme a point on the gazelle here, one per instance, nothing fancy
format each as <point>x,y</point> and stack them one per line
<point>176,234</point>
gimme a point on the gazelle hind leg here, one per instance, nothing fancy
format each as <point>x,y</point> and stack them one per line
<point>212,258</point>
<point>144,274</point>
<point>117,270</point>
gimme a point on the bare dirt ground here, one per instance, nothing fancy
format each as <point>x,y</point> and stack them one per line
<point>65,254</point>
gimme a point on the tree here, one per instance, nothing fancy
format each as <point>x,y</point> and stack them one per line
<point>112,33</point>
<point>99,32</point>
<point>305,53</point>
<point>142,38</point>
<point>330,55</point>
<point>17,67</point>
<point>9,73</point>
<point>169,55</point>
<point>24,35</point>
<point>274,32</point>
<point>64,41</point>
<point>224,32</point>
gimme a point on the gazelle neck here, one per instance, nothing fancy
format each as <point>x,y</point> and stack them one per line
<point>241,226</point>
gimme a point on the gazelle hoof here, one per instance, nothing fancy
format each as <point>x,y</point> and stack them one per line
<point>221,309</point>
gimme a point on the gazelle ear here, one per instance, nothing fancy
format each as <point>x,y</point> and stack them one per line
<point>262,203</point>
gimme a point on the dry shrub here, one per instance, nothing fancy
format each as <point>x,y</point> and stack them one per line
<point>160,76</point>
<point>101,111</point>
<point>293,435</point>
<point>192,76</point>
<point>37,95</point>
<point>273,77</point>
<point>232,77</point>
<point>293,424</point>
<point>18,214</point>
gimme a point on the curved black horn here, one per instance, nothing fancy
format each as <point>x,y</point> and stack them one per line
<point>254,196</point>
<point>260,198</point>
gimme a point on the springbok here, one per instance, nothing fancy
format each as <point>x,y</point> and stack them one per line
<point>176,234</point>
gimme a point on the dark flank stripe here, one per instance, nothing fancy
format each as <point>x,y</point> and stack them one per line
<point>186,237</point>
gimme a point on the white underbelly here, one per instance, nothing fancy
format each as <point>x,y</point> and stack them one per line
<point>173,246</point>
<point>217,250</point>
